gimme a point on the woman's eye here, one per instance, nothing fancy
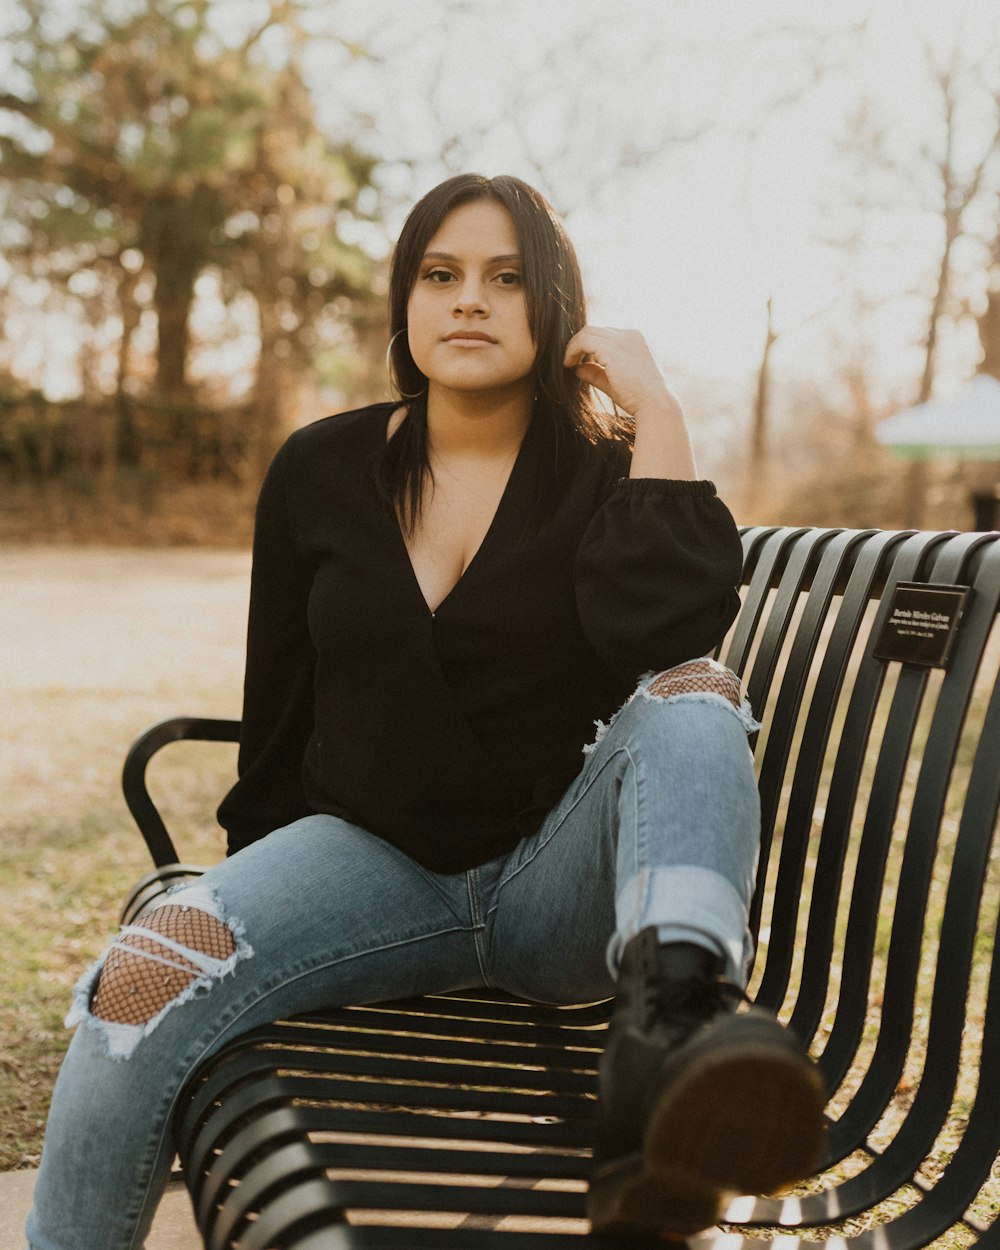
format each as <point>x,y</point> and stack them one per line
<point>439,276</point>
<point>509,277</point>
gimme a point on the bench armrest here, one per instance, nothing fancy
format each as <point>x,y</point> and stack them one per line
<point>137,797</point>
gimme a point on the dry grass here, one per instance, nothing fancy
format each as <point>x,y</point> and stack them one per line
<point>98,644</point>
<point>143,510</point>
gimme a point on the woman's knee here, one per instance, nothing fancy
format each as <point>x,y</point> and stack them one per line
<point>700,682</point>
<point>152,963</point>
<point>693,683</point>
<point>696,677</point>
<point>179,948</point>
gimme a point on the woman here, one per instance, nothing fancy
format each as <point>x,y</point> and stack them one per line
<point>447,593</point>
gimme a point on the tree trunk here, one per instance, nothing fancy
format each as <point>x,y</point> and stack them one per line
<point>989,334</point>
<point>173,244</point>
<point>175,253</point>
<point>130,315</point>
<point>937,308</point>
<point>275,391</point>
<point>916,476</point>
<point>755,486</point>
<point>115,412</point>
<point>172,300</point>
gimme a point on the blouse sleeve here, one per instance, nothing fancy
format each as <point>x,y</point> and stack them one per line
<point>657,573</point>
<point>278,686</point>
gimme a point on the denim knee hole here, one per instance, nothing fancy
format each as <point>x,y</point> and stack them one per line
<point>178,951</point>
<point>701,680</point>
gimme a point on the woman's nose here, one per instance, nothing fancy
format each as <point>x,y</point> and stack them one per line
<point>470,298</point>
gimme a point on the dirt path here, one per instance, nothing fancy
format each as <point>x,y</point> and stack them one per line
<point>95,644</point>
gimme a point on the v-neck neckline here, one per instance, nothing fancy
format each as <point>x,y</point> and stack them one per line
<point>489,537</point>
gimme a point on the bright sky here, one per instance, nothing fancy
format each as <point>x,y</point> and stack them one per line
<point>686,244</point>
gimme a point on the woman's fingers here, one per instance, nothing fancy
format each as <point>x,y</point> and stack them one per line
<point>617,362</point>
<point>585,347</point>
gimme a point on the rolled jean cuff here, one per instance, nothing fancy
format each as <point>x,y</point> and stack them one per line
<point>687,904</point>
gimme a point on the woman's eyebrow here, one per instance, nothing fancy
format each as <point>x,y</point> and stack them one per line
<point>492,260</point>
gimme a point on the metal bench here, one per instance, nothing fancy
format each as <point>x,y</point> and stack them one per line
<point>464,1120</point>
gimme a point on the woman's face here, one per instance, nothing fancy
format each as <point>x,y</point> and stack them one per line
<point>467,322</point>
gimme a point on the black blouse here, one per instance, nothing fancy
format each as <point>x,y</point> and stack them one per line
<point>451,734</point>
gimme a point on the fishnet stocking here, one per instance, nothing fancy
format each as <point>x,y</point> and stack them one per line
<point>699,675</point>
<point>132,988</point>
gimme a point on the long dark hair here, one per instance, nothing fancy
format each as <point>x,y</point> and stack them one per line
<point>556,308</point>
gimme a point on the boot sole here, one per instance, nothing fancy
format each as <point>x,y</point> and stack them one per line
<point>744,1116</point>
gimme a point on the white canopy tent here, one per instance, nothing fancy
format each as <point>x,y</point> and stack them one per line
<point>967,424</point>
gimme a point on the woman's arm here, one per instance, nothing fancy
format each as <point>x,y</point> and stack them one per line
<point>278,688</point>
<point>656,573</point>
<point>657,570</point>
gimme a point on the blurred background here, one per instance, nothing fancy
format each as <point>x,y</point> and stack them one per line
<point>798,204</point>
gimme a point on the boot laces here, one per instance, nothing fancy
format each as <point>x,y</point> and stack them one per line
<point>695,999</point>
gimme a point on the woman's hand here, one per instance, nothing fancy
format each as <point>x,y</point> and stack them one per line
<point>619,363</point>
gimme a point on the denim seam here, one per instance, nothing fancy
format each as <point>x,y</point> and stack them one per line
<point>430,877</point>
<point>478,923</point>
<point>638,839</point>
<point>432,880</point>
<point>562,820</point>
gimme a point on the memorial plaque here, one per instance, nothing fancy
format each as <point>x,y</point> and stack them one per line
<point>922,623</point>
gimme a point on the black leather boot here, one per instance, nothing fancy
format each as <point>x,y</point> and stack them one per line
<point>697,1103</point>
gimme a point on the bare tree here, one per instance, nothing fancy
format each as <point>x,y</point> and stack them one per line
<point>960,187</point>
<point>988,320</point>
<point>757,473</point>
<point>947,175</point>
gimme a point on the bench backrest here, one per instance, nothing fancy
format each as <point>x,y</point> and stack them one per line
<point>880,782</point>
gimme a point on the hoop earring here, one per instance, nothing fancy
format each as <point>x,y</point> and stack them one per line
<point>393,383</point>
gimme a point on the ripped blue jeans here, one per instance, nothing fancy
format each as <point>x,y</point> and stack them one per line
<point>661,826</point>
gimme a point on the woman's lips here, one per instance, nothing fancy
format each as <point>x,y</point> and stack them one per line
<point>470,338</point>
